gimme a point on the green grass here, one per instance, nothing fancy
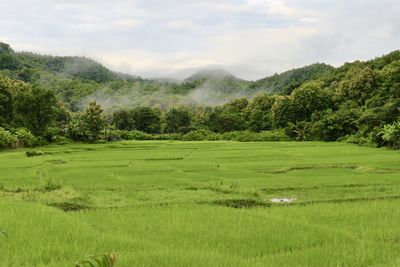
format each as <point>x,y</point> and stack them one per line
<point>170,204</point>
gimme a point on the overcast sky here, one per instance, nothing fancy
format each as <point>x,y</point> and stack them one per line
<point>173,38</point>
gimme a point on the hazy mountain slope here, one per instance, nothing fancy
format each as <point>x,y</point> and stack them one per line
<point>77,80</point>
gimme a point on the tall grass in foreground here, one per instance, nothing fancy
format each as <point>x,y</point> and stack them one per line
<point>201,204</point>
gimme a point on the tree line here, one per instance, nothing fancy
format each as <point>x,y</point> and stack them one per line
<point>358,102</point>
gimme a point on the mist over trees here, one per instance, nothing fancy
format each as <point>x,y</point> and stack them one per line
<point>45,99</point>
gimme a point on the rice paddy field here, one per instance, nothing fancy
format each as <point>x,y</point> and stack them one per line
<point>164,203</point>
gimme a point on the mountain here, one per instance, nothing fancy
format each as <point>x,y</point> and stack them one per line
<point>77,80</point>
<point>287,81</point>
<point>211,74</point>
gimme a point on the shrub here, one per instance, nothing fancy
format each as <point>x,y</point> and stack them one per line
<point>7,139</point>
<point>25,138</point>
<point>33,153</point>
<point>138,135</point>
<point>114,135</point>
<point>52,134</point>
<point>357,139</point>
<point>173,136</point>
<point>274,135</point>
<point>200,135</point>
<point>50,185</point>
<point>391,135</point>
<point>247,136</point>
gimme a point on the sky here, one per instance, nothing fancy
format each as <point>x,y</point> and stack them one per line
<point>175,38</point>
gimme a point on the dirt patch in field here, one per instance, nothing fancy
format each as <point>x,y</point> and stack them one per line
<point>70,206</point>
<point>56,161</point>
<point>283,200</point>
<point>358,168</point>
<point>308,167</point>
<point>240,203</point>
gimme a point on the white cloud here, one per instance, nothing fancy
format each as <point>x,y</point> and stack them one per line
<point>251,38</point>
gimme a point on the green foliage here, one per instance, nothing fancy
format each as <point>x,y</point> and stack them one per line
<point>9,89</point>
<point>200,135</point>
<point>8,59</point>
<point>87,126</point>
<point>6,138</point>
<point>248,136</point>
<point>87,69</point>
<point>316,102</point>
<point>329,125</point>
<point>25,137</point>
<point>284,111</point>
<point>34,153</point>
<point>147,119</point>
<point>178,120</point>
<point>50,184</point>
<point>103,260</point>
<point>93,120</point>
<point>391,135</point>
<point>259,113</point>
<point>123,120</point>
<point>309,98</point>
<point>358,85</point>
<point>288,81</point>
<point>6,105</point>
<point>36,110</point>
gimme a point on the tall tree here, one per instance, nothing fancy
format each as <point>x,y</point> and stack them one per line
<point>36,109</point>
<point>147,119</point>
<point>93,120</point>
<point>178,120</point>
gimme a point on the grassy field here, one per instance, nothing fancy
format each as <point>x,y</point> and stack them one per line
<point>201,204</point>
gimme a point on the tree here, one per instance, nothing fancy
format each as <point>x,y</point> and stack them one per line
<point>6,106</point>
<point>178,120</point>
<point>329,125</point>
<point>391,135</point>
<point>8,60</point>
<point>259,114</point>
<point>9,89</point>
<point>222,121</point>
<point>358,84</point>
<point>310,97</point>
<point>93,120</point>
<point>283,111</point>
<point>390,80</point>
<point>147,119</point>
<point>36,110</point>
<point>229,117</point>
<point>124,119</point>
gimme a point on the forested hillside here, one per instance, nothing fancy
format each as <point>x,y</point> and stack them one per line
<point>42,99</point>
<point>78,80</point>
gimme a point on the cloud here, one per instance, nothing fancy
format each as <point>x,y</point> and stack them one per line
<point>251,38</point>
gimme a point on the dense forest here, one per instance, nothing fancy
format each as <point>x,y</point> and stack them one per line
<point>46,99</point>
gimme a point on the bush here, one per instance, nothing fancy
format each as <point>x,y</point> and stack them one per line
<point>52,134</point>
<point>173,136</point>
<point>138,135</point>
<point>50,185</point>
<point>7,139</point>
<point>33,153</point>
<point>200,135</point>
<point>247,136</point>
<point>391,135</point>
<point>114,135</point>
<point>357,139</point>
<point>25,138</point>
